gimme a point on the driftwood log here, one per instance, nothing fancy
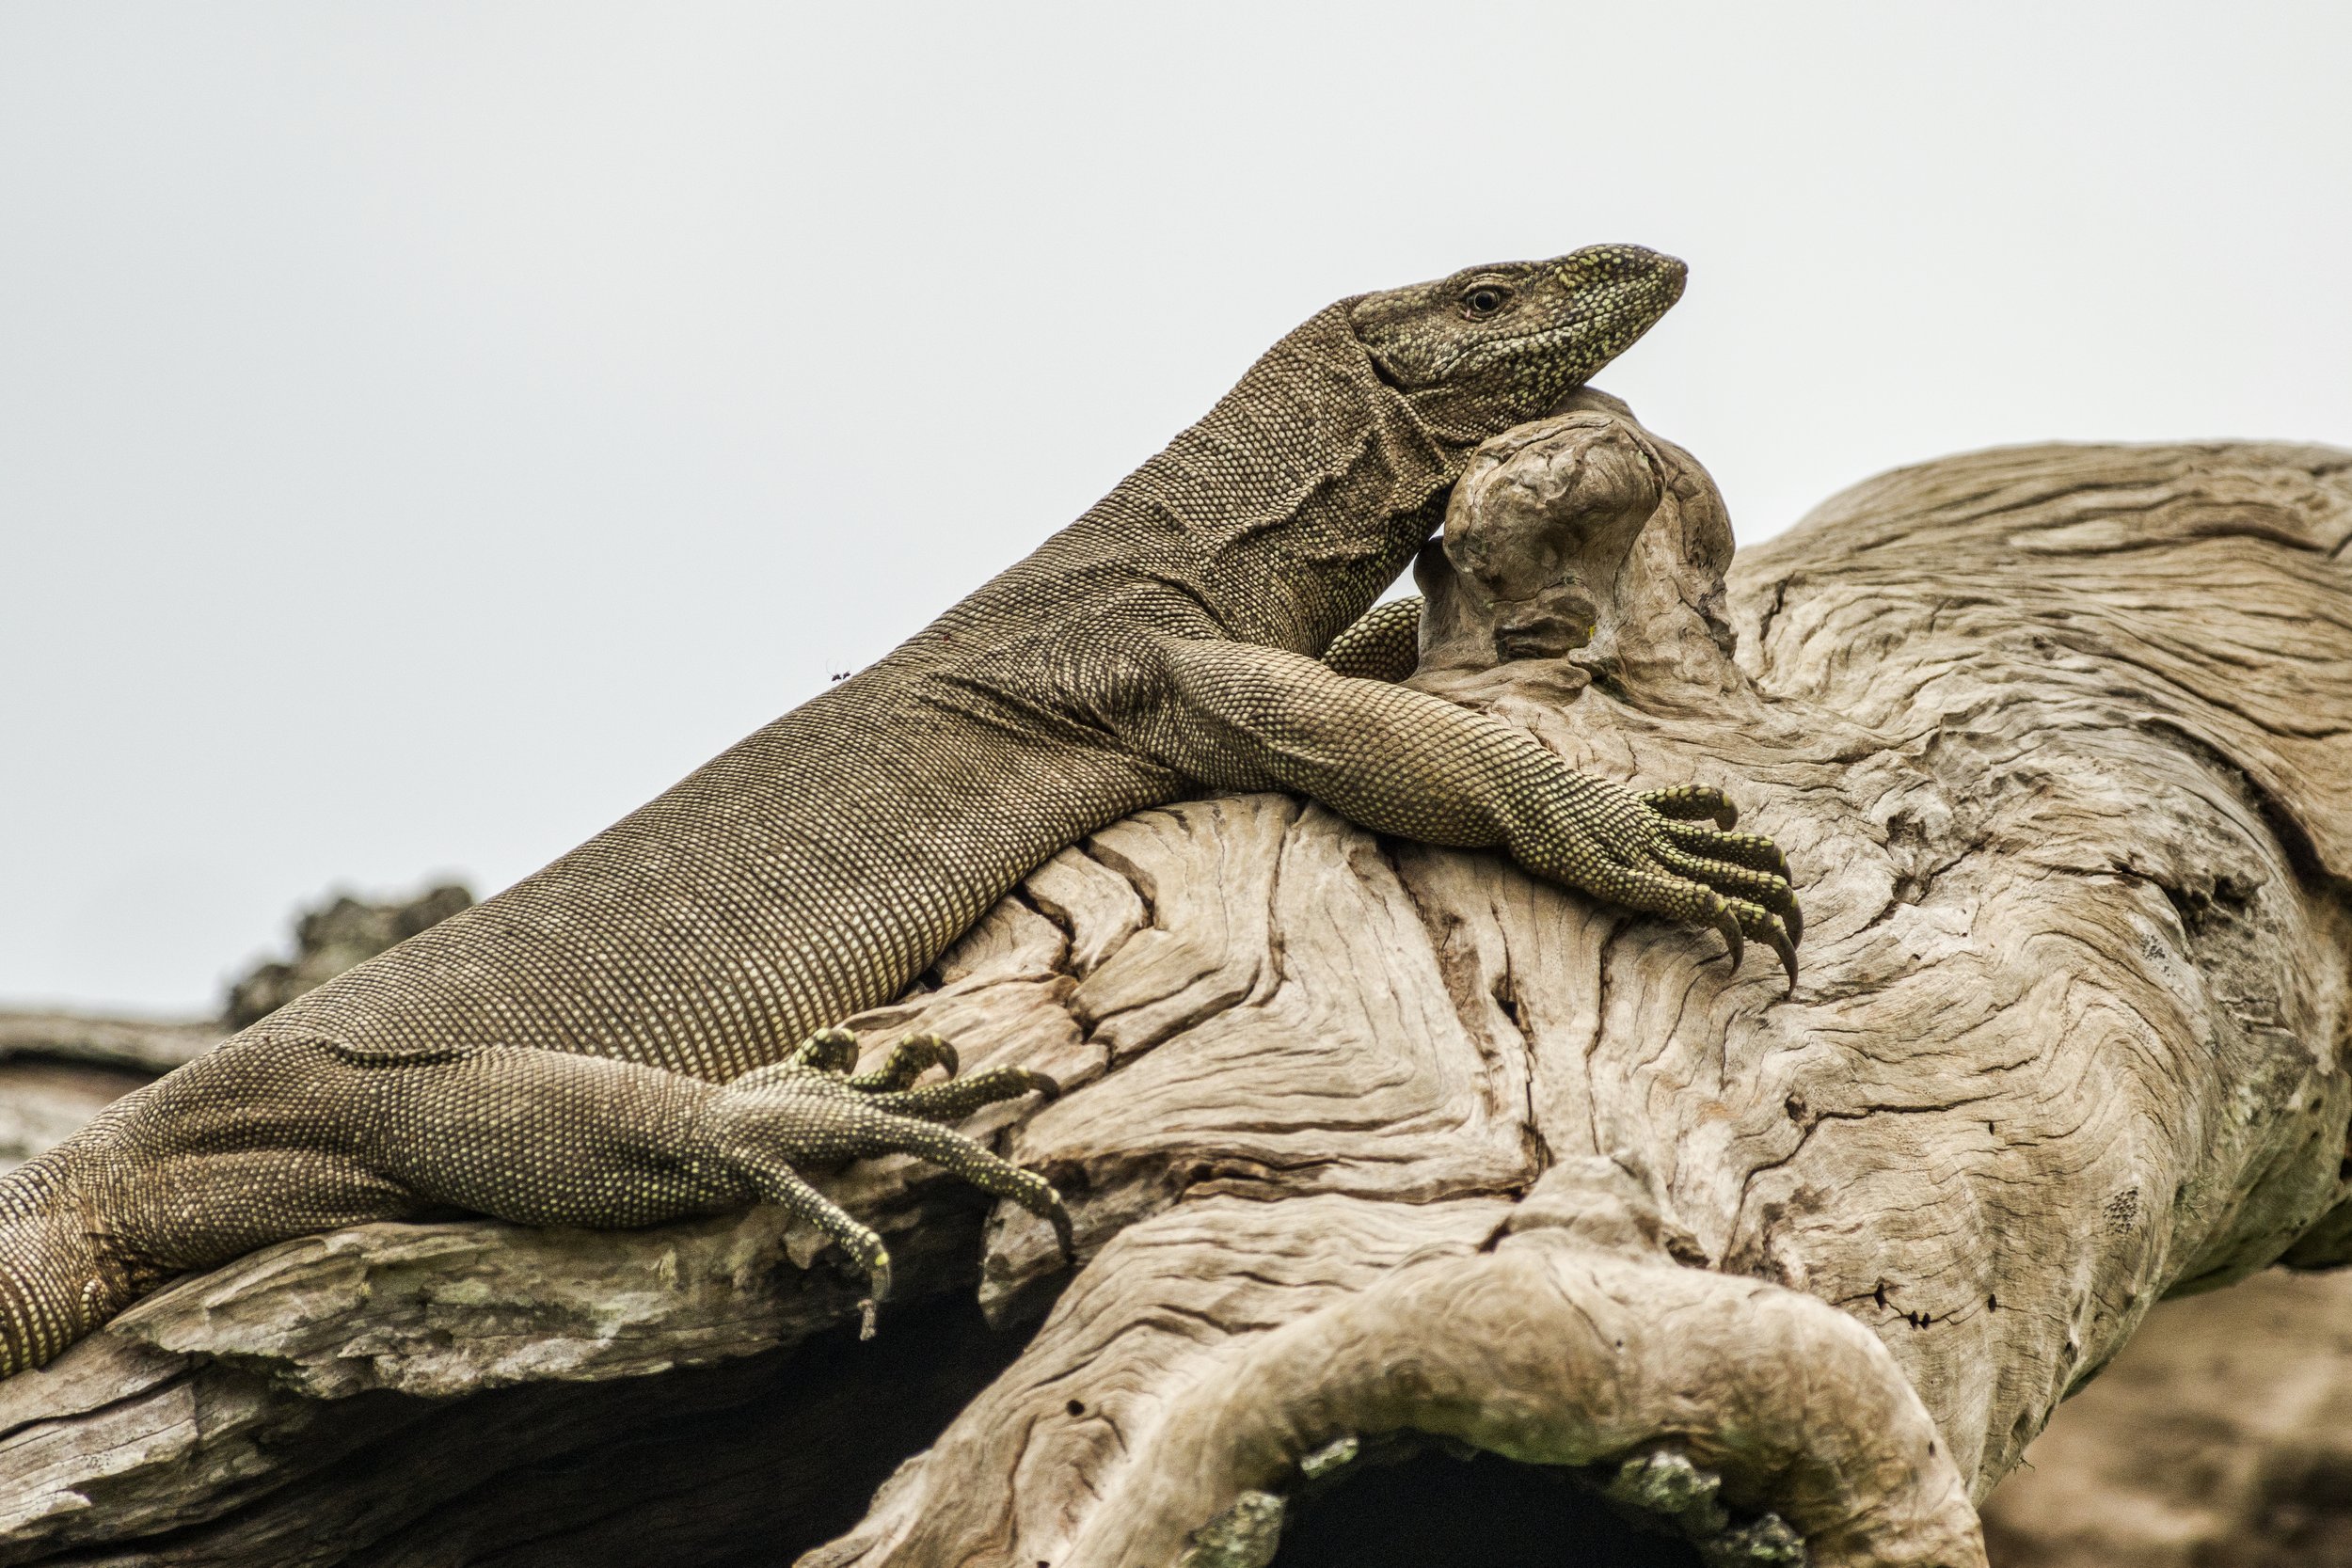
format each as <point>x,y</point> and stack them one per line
<point>1376,1148</point>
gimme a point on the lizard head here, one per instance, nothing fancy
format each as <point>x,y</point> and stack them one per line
<point>1493,347</point>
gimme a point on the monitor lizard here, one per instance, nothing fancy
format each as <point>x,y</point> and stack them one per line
<point>639,1031</point>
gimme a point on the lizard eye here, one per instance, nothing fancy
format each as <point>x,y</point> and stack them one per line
<point>1485,300</point>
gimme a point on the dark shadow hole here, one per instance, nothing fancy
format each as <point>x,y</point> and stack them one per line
<point>792,1466</point>
<point>750,1463</point>
<point>1433,1511</point>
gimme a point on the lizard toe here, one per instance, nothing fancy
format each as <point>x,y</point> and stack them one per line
<point>958,1097</point>
<point>1752,851</point>
<point>907,1061</point>
<point>1767,926</point>
<point>1058,1215</point>
<point>833,1052</point>
<point>1692,803</point>
<point>1739,881</point>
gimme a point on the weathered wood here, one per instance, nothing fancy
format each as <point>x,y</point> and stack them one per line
<point>1367,1138</point>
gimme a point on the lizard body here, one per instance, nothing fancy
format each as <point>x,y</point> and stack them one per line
<point>616,1040</point>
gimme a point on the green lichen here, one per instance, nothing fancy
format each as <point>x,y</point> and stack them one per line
<point>1244,1536</point>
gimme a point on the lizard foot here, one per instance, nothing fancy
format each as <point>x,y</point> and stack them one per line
<point>1654,851</point>
<point>808,1110</point>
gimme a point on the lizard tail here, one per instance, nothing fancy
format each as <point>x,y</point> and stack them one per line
<point>54,1285</point>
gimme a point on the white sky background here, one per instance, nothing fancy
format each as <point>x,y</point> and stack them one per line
<point>427,430</point>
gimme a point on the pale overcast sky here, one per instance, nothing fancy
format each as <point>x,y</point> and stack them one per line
<point>427,430</point>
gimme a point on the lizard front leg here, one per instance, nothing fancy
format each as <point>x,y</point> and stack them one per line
<point>1238,716</point>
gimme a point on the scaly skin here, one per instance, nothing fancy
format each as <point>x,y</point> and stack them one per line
<point>613,1040</point>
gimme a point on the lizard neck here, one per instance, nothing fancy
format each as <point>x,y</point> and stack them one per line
<point>1302,495</point>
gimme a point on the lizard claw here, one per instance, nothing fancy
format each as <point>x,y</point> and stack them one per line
<point>933,1050</point>
<point>829,1051</point>
<point>1767,925</point>
<point>1058,1217</point>
<point>1728,924</point>
<point>1785,943</point>
<point>877,1290</point>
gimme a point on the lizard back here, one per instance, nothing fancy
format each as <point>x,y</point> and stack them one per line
<point>819,866</point>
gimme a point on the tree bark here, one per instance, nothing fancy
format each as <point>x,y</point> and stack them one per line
<point>1373,1145</point>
